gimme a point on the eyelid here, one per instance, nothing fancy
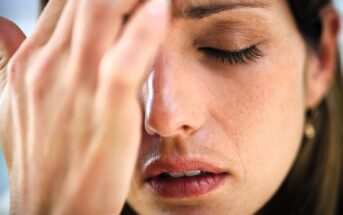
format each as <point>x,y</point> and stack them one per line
<point>229,32</point>
<point>235,51</point>
<point>242,56</point>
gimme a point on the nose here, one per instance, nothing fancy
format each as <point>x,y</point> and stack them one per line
<point>173,105</point>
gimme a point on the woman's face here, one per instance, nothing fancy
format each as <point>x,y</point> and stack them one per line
<point>226,97</point>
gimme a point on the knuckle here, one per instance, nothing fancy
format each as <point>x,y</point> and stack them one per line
<point>17,64</point>
<point>15,68</point>
<point>36,76</point>
<point>118,80</point>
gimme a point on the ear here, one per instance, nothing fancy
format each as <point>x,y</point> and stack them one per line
<point>322,61</point>
<point>10,39</point>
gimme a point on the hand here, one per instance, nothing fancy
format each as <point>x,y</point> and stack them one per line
<point>70,115</point>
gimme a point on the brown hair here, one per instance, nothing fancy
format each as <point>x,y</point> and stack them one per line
<point>314,185</point>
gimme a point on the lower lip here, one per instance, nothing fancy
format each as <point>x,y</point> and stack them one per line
<point>186,187</point>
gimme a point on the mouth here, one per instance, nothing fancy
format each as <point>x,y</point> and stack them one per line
<point>184,178</point>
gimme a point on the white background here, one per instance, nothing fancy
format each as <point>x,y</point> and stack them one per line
<point>24,13</point>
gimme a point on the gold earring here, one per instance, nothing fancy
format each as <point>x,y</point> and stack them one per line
<point>309,129</point>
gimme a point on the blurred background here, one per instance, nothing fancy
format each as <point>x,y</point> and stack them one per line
<point>25,13</point>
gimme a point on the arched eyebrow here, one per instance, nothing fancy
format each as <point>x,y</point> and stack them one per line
<point>214,7</point>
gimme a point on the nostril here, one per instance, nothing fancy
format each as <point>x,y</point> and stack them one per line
<point>165,129</point>
<point>187,129</point>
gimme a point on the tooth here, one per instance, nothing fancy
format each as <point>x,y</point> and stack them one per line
<point>193,173</point>
<point>176,174</point>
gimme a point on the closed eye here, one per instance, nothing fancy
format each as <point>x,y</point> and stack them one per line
<point>243,56</point>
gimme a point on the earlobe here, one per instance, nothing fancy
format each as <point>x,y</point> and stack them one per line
<point>323,60</point>
<point>11,38</point>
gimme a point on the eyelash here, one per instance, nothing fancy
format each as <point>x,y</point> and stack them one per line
<point>243,56</point>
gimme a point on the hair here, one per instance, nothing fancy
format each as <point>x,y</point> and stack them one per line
<point>314,184</point>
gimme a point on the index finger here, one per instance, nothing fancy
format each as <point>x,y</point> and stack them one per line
<point>47,22</point>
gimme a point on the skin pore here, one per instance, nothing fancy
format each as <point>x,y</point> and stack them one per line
<point>244,115</point>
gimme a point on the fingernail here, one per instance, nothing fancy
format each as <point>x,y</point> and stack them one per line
<point>158,8</point>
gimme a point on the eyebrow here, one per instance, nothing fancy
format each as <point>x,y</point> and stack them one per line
<point>202,11</point>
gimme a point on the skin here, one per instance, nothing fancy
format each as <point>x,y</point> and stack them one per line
<point>249,118</point>
<point>68,154</point>
<point>242,113</point>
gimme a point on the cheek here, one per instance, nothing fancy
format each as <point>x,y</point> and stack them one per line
<point>261,108</point>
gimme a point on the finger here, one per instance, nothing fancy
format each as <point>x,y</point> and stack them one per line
<point>96,27</point>
<point>118,115</point>
<point>45,72</point>
<point>119,84</point>
<point>61,37</point>
<point>128,60</point>
<point>47,22</point>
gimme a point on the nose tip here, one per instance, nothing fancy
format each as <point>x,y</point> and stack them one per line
<point>167,125</point>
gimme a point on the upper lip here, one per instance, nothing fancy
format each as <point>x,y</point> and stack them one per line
<point>159,166</point>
